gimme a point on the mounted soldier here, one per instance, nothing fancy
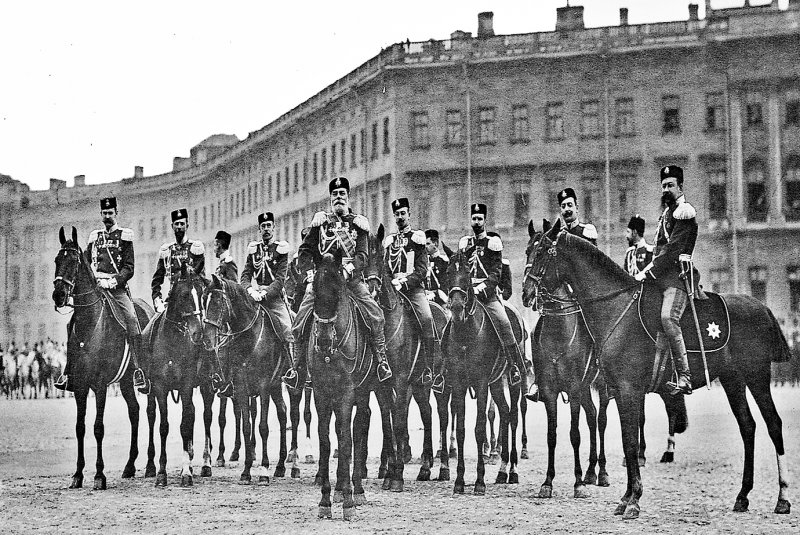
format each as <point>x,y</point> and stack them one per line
<point>438,260</point>
<point>111,252</point>
<point>568,204</point>
<point>296,281</point>
<point>227,267</point>
<point>264,277</point>
<point>407,262</point>
<point>675,240</point>
<point>341,231</point>
<point>639,253</point>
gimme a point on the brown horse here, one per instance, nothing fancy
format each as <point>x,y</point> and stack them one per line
<point>96,350</point>
<point>607,296</point>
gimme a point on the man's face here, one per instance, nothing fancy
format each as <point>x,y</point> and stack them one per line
<point>109,216</point>
<point>431,246</point>
<point>401,217</point>
<point>631,236</point>
<point>569,210</point>
<point>340,201</point>
<point>219,248</point>
<point>267,230</point>
<point>670,190</point>
<point>478,222</point>
<point>179,228</point>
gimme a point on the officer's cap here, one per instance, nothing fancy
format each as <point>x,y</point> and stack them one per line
<point>478,208</point>
<point>637,223</point>
<point>224,238</point>
<point>266,216</point>
<point>565,194</point>
<point>339,182</point>
<point>672,171</point>
<point>108,203</point>
<point>180,213</point>
<point>432,234</point>
<point>397,204</point>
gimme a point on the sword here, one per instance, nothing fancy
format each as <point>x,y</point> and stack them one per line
<point>688,275</point>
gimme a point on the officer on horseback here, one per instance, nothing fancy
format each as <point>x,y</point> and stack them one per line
<point>675,239</point>
<point>639,253</point>
<point>438,260</point>
<point>343,231</point>
<point>264,277</point>
<point>111,252</point>
<point>227,267</point>
<point>568,203</point>
<point>407,262</point>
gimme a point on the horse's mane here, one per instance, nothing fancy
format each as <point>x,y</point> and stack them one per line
<point>239,296</point>
<point>597,258</point>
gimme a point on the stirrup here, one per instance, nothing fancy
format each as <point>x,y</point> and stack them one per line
<point>226,390</point>
<point>437,385</point>
<point>678,388</point>
<point>515,377</point>
<point>384,371</point>
<point>62,382</point>
<point>290,379</point>
<point>427,376</point>
<point>533,393</point>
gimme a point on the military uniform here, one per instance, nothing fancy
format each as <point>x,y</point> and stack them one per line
<point>587,231</point>
<point>505,287</point>
<point>226,269</point>
<point>172,256</point>
<point>436,279</point>
<point>637,257</point>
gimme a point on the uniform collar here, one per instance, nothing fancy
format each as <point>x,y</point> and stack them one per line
<point>185,239</point>
<point>112,229</point>
<point>574,224</point>
<point>641,243</point>
<point>265,244</point>
<point>225,256</point>
<point>680,200</point>
<point>481,235</point>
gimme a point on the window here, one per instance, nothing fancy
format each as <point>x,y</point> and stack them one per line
<point>296,177</point>
<point>269,188</point>
<point>154,230</point>
<point>255,195</point>
<point>374,153</point>
<point>249,198</point>
<point>756,192</point>
<point>486,126</point>
<point>671,121</point>
<point>521,206</point>
<point>717,194</point>
<point>31,282</point>
<point>593,206</point>
<point>15,283</point>
<point>454,205</point>
<point>305,173</point>
<point>423,206</point>
<point>554,127</point>
<point>793,189</point>
<point>386,135</point>
<point>342,152</point>
<point>420,137</point>
<point>237,204</point>
<point>454,134</point>
<point>720,280</point>
<point>793,113</point>
<point>624,183</point>
<point>212,213</point>
<point>590,118</point>
<point>715,111</point>
<point>286,181</point>
<point>758,283</point>
<point>219,214</point>
<point>753,113</point>
<point>364,145</point>
<point>623,117</point>
<point>45,286</point>
<point>333,159</point>
<point>793,274</point>
<point>314,169</point>
<point>163,225</point>
<point>352,151</point>
<point>374,208</point>
<point>324,163</point>
<point>278,184</point>
<point>520,127</point>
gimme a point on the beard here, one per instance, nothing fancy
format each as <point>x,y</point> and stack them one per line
<point>339,207</point>
<point>477,229</point>
<point>179,234</point>
<point>667,198</point>
<point>631,242</point>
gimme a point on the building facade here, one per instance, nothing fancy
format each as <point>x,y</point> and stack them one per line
<point>507,120</point>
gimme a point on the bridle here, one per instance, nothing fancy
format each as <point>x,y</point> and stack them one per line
<point>181,325</point>
<point>224,335</point>
<point>69,283</point>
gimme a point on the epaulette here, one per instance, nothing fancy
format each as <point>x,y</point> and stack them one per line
<point>506,262</point>
<point>589,231</point>
<point>444,256</point>
<point>252,247</point>
<point>163,251</point>
<point>197,248</point>
<point>463,243</point>
<point>361,222</point>
<point>495,243</point>
<point>648,247</point>
<point>127,234</point>
<point>319,219</point>
<point>282,247</point>
<point>684,211</point>
<point>387,240</point>
<point>93,236</point>
<point>631,248</point>
<point>294,255</point>
<point>418,237</point>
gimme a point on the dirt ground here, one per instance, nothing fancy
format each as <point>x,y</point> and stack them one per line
<point>693,495</point>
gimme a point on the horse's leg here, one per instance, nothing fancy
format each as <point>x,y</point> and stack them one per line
<point>590,411</point>
<point>401,406</point>
<point>458,403</point>
<point>523,409</point>
<point>222,421</point>
<point>280,410</point>
<point>498,399</point>
<point>187,432</point>
<point>513,418</point>
<point>80,431</point>
<point>163,416</point>
<point>575,440</point>
<point>481,393</point>
<point>602,422</point>
<point>238,411</point>
<point>344,435</point>
<point>492,442</point>
<point>453,452</point>
<point>388,457</point>
<point>208,415</point>
<point>422,396</point>
<point>150,469</point>
<point>442,407</point>
<point>642,460</point>
<point>551,409</point>
<point>629,404</point>
<point>324,412</point>
<point>360,438</point>
<point>129,395</point>
<point>99,433</point>
<point>263,428</point>
<point>759,387</point>
<point>242,400</point>
<point>294,418</point>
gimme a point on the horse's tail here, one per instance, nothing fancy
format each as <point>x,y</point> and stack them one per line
<point>780,349</point>
<point>681,417</point>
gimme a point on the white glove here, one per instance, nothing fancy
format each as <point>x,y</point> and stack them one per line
<point>397,283</point>
<point>480,288</point>
<point>102,283</point>
<point>443,296</point>
<point>255,294</point>
<point>158,303</point>
<point>430,295</point>
<point>348,270</point>
<point>640,276</point>
<point>310,276</point>
<point>112,283</point>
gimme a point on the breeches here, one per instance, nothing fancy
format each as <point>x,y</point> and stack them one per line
<point>124,304</point>
<point>499,319</point>
<point>672,307</point>
<point>422,309</point>
<point>279,315</point>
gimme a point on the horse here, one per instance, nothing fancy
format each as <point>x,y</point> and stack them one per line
<point>341,366</point>
<point>222,421</point>
<point>241,335</point>
<point>475,362</point>
<point>10,375</point>
<point>607,295</point>
<point>96,349</point>
<point>172,343</point>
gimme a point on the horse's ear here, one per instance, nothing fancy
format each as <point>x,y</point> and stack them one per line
<point>74,235</point>
<point>531,229</point>
<point>546,225</point>
<point>215,281</point>
<point>61,237</point>
<point>557,227</point>
<point>381,233</point>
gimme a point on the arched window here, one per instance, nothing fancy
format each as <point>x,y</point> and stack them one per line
<point>792,179</point>
<point>755,177</point>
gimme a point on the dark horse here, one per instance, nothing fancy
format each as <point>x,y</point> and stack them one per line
<point>97,352</point>
<point>342,369</point>
<point>475,361</point>
<point>607,295</point>
<point>241,335</point>
<point>177,362</point>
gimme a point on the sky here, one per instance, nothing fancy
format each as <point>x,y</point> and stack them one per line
<point>96,88</point>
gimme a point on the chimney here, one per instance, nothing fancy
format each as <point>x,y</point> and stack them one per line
<point>569,18</point>
<point>80,180</point>
<point>56,184</point>
<point>138,171</point>
<point>693,12</point>
<point>623,16</point>
<point>485,24</point>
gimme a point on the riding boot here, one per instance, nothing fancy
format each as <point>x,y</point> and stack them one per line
<point>437,386</point>
<point>223,388</point>
<point>291,376</point>
<point>429,348</point>
<point>515,377</point>
<point>684,383</point>
<point>140,382</point>
<point>533,389</point>
<point>63,383</point>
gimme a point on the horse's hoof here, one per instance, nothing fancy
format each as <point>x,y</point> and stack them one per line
<point>741,505</point>
<point>360,499</point>
<point>396,485</point>
<point>513,478</point>
<point>502,478</point>
<point>295,473</point>
<point>668,457</point>
<point>407,457</point>
<point>187,480</point>
<point>129,471</point>
<point>590,478</point>
<point>424,473</point>
<point>458,488</point>
<point>783,507</point>
<point>100,483</point>
<point>234,457</point>
<point>205,471</point>
<point>453,452</point>
<point>348,512</point>
<point>444,474</point>
<point>161,479</point>
<point>546,491</point>
<point>150,470</point>
<point>280,471</point>
<point>631,512</point>
<point>620,509</point>
<point>245,479</point>
<point>602,480</point>
<point>642,462</point>
<point>338,496</point>
<point>77,482</point>
<point>325,511</point>
<point>524,453</point>
<point>318,482</point>
<point>387,483</point>
<point>479,489</point>
<point>220,463</point>
<point>382,472</point>
<point>263,480</point>
<point>581,492</point>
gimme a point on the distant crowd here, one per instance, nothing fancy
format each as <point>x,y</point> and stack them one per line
<point>28,371</point>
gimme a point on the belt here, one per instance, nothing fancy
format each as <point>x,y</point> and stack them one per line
<point>478,280</point>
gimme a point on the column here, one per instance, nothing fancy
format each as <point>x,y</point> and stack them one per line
<point>736,164</point>
<point>774,183</point>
